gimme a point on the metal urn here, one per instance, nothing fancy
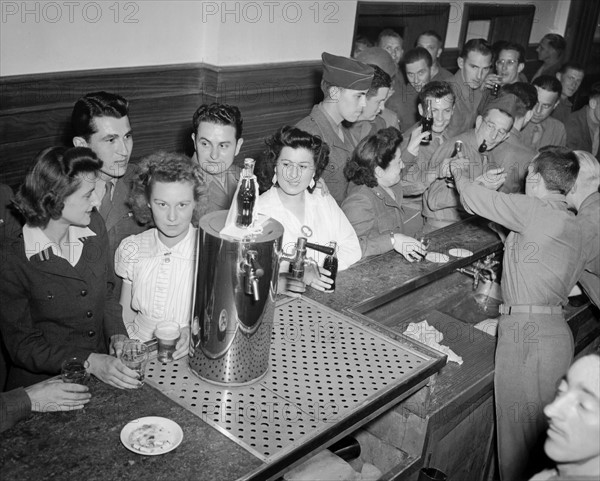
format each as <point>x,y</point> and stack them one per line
<point>234,303</point>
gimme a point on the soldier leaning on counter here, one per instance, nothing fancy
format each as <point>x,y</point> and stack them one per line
<point>543,259</point>
<point>441,203</point>
<point>345,84</point>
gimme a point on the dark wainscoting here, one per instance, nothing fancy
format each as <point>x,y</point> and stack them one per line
<point>35,109</point>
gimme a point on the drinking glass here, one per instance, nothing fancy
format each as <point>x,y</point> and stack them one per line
<point>75,369</point>
<point>135,356</point>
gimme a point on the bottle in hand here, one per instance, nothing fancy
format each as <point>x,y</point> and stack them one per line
<point>331,264</point>
<point>427,123</point>
<point>246,197</point>
<point>457,152</point>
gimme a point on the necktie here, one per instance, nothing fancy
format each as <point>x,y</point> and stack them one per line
<point>537,136</point>
<point>106,200</point>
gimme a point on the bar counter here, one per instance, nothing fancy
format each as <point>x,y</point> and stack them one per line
<point>447,424</point>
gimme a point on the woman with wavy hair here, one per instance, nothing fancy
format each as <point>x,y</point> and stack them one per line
<point>289,170</point>
<point>374,202</point>
<point>54,299</point>
<point>157,266</point>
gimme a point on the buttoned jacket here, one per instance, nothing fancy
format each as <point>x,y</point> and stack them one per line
<point>374,215</point>
<point>51,310</point>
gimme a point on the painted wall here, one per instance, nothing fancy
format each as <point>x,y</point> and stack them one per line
<point>65,35</point>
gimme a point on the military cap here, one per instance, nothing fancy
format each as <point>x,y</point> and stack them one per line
<point>346,72</point>
<point>508,103</point>
<point>380,57</point>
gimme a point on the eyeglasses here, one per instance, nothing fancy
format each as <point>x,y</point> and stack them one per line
<point>510,62</point>
<point>493,128</point>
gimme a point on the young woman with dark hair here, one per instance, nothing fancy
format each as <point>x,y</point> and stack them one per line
<point>54,300</point>
<point>374,202</point>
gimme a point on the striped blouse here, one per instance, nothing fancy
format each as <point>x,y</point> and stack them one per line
<point>161,280</point>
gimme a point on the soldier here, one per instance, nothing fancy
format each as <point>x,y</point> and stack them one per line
<point>474,64</point>
<point>570,76</point>
<point>217,138</point>
<point>585,199</point>
<point>417,64</point>
<point>514,156</point>
<point>345,84</point>
<point>545,130</point>
<point>550,52</point>
<point>441,204</point>
<point>542,262</point>
<point>433,43</point>
<point>583,126</point>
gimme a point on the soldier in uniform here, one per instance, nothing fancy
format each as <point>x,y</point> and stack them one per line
<point>474,64</point>
<point>345,85</point>
<point>217,138</point>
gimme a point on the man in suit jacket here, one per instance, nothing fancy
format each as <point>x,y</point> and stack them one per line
<point>583,126</point>
<point>100,121</point>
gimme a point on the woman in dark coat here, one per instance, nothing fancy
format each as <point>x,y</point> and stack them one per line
<point>54,301</point>
<point>374,202</point>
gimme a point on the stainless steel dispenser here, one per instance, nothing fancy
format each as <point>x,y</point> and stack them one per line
<point>236,285</point>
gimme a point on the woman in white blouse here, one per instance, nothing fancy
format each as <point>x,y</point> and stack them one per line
<point>157,266</point>
<point>290,169</point>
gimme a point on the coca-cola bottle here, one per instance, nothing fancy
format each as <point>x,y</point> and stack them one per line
<point>427,123</point>
<point>246,197</point>
<point>458,147</point>
<point>331,264</point>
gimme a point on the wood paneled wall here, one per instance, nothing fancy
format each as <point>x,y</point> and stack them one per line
<point>35,109</point>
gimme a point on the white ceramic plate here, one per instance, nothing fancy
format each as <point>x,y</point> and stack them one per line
<point>460,252</point>
<point>151,435</point>
<point>437,257</point>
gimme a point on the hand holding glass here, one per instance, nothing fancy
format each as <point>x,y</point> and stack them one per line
<point>135,357</point>
<point>75,369</point>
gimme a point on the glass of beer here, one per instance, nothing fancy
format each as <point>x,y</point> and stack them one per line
<point>167,334</point>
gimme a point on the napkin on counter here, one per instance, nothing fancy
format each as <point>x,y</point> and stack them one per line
<point>489,326</point>
<point>429,335</point>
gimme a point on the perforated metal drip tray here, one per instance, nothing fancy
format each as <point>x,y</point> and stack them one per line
<point>324,369</point>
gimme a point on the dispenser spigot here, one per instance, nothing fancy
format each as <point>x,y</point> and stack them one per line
<point>253,271</point>
<point>297,260</point>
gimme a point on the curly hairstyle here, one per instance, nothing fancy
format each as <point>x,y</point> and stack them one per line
<point>165,167</point>
<point>377,150</point>
<point>296,139</point>
<point>56,174</point>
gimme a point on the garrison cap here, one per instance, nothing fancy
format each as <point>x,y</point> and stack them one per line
<point>508,103</point>
<point>346,72</point>
<point>380,57</point>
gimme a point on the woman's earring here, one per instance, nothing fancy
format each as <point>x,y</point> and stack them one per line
<point>312,183</point>
<point>274,178</point>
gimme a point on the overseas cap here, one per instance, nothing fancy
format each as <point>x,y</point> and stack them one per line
<point>346,72</point>
<point>508,103</point>
<point>380,57</point>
